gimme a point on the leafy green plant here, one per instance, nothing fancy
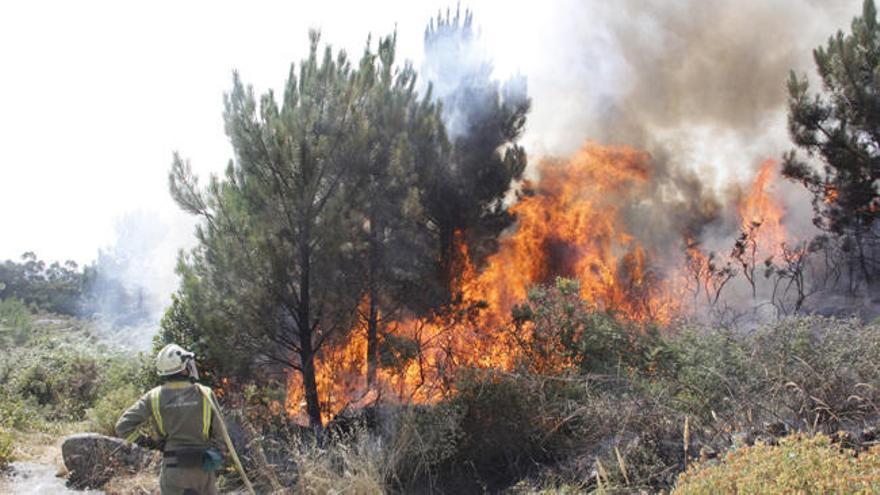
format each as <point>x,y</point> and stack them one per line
<point>64,381</point>
<point>6,449</point>
<point>558,332</point>
<point>102,418</point>
<point>15,322</point>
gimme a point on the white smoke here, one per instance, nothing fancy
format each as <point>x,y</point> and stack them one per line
<point>142,261</point>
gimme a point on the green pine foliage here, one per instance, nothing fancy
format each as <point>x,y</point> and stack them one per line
<point>270,273</point>
<point>485,118</point>
<point>298,231</point>
<point>839,128</point>
<point>399,131</point>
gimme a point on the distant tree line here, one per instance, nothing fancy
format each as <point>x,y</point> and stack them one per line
<point>57,287</point>
<point>68,289</point>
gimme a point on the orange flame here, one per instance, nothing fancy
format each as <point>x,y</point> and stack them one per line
<point>831,194</point>
<point>760,210</point>
<point>571,226</point>
<point>568,224</point>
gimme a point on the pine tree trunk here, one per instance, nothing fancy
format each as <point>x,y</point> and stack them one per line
<point>313,406</point>
<point>307,354</point>
<point>372,342</point>
<point>373,294</point>
<point>447,255</point>
<point>862,258</point>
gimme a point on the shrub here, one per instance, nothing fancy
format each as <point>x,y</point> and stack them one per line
<point>205,333</point>
<point>124,369</point>
<point>65,381</point>
<point>806,372</point>
<point>15,322</point>
<point>5,448</point>
<point>713,372</point>
<point>109,407</point>
<point>511,425</point>
<point>800,464</point>
<point>423,438</point>
<point>61,380</point>
<point>558,332</point>
<point>15,413</point>
<point>821,371</point>
<point>355,466</point>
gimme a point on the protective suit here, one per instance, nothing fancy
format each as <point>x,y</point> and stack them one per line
<point>184,420</point>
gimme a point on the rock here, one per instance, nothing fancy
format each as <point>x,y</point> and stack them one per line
<point>93,459</point>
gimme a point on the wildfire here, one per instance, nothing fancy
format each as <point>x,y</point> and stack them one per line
<point>760,213</point>
<point>569,223</point>
<point>831,194</point>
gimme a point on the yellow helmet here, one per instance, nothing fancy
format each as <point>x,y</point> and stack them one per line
<point>173,359</point>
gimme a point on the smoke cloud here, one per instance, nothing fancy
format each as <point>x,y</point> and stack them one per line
<point>700,85</point>
<point>136,277</point>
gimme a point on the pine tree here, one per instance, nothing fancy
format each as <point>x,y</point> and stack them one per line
<point>841,127</point>
<point>274,252</point>
<point>399,131</point>
<point>465,196</point>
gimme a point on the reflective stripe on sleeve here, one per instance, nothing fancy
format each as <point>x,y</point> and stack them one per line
<point>157,415</point>
<point>206,413</point>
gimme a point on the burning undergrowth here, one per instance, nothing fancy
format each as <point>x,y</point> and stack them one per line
<point>628,228</point>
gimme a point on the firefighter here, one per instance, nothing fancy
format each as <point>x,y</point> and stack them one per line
<point>186,419</point>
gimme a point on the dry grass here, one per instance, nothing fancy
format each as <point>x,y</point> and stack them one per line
<point>355,467</point>
<point>799,464</point>
<point>142,483</point>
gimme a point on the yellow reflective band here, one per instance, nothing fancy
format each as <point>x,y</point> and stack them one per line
<point>157,415</point>
<point>206,413</point>
<point>206,393</point>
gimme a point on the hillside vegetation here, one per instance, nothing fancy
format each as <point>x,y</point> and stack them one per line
<point>56,376</point>
<point>653,405</point>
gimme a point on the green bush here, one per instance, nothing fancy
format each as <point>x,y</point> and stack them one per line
<point>714,370</point>
<point>65,381</point>
<point>15,322</point>
<point>110,406</point>
<point>124,369</point>
<point>61,381</point>
<point>205,333</point>
<point>5,448</point>
<point>18,414</point>
<point>560,333</point>
<point>799,464</point>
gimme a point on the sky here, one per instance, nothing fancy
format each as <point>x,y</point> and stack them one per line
<point>96,95</point>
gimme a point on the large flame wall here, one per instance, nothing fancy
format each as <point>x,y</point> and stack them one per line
<point>570,223</point>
